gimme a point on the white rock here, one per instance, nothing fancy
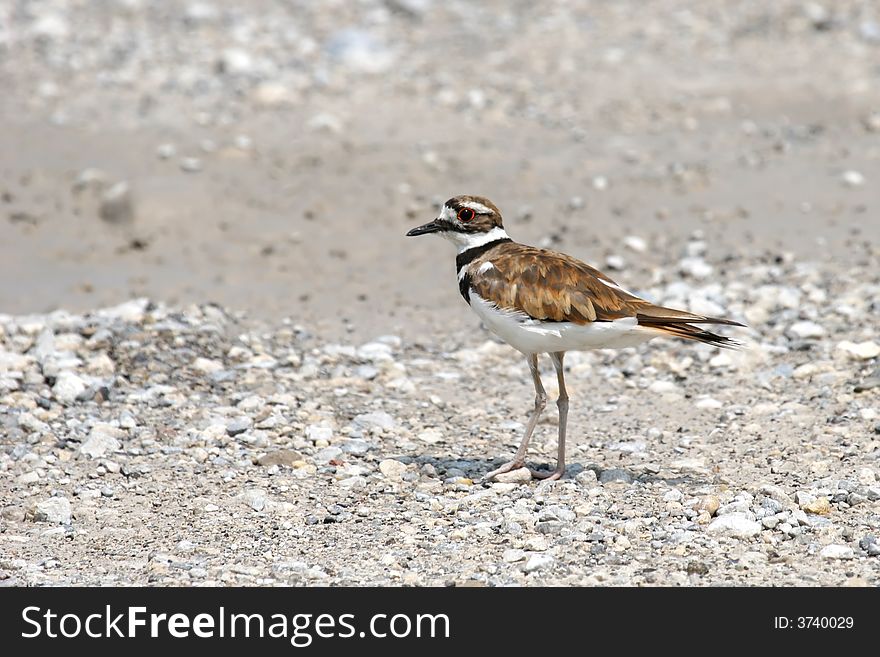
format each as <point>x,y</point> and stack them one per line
<point>538,562</point>
<point>166,151</point>
<point>720,361</point>
<point>201,12</point>
<point>207,365</point>
<point>326,122</point>
<point>131,311</point>
<point>860,350</point>
<point>100,365</point>
<point>695,267</point>
<point>54,510</point>
<point>190,164</point>
<point>256,499</point>
<point>673,495</point>
<point>272,95</point>
<point>695,248</point>
<point>709,403</point>
<point>316,432</point>
<point>635,243</point>
<point>31,424</point>
<point>836,551</point>
<point>513,555</point>
<point>430,436</point>
<point>360,51</point>
<point>392,468</point>
<point>600,183</point>
<point>50,26</point>
<point>518,476</point>
<point>30,477</point>
<point>373,419</point>
<point>537,544</point>
<point>236,61</point>
<point>852,178</point>
<point>615,262</point>
<point>357,482</point>
<point>806,330</point>
<point>735,524</point>
<point>867,476</point>
<point>663,387</point>
<point>12,361</point>
<point>68,386</point>
<point>101,441</point>
<point>375,351</point>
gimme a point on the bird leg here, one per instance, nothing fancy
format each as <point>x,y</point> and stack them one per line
<point>540,402</point>
<point>562,405</point>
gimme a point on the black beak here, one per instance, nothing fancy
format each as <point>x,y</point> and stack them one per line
<point>430,227</point>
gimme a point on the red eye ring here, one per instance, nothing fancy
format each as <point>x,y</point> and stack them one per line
<point>466,214</point>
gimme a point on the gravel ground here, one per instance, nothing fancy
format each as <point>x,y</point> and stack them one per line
<point>147,444</point>
<point>267,157</point>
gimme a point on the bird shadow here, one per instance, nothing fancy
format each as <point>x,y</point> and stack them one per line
<point>449,465</point>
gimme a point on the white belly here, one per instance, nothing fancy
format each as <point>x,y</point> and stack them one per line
<point>535,337</point>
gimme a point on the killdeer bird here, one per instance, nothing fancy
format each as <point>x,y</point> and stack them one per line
<point>541,301</point>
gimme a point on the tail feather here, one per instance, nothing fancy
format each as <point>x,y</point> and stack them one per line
<point>691,332</point>
<point>680,324</point>
<point>659,314</point>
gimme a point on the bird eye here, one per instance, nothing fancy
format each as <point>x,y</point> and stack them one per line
<point>466,214</point>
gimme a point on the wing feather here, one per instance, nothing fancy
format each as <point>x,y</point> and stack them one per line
<point>551,286</point>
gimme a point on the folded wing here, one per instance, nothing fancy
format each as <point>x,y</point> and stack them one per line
<point>554,287</point>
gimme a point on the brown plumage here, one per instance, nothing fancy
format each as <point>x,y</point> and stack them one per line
<point>551,286</point>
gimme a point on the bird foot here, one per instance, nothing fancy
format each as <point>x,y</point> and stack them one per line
<point>548,475</point>
<point>507,467</point>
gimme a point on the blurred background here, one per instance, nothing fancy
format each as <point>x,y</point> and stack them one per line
<point>270,155</point>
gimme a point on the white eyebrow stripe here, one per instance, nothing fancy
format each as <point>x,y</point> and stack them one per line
<point>477,207</point>
<point>486,266</point>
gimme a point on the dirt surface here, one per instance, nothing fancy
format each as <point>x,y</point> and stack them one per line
<point>269,157</point>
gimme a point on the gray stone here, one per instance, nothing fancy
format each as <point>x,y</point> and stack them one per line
<point>374,419</point>
<point>238,425</point>
<point>586,478</point>
<point>31,424</point>
<point>327,454</point>
<point>615,475</point>
<point>282,457</point>
<point>190,164</point>
<point>359,51</point>
<point>737,506</point>
<point>117,205</point>
<point>870,545</point>
<point>356,446</point>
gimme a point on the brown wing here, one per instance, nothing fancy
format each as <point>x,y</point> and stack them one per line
<point>552,286</point>
<point>549,286</point>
